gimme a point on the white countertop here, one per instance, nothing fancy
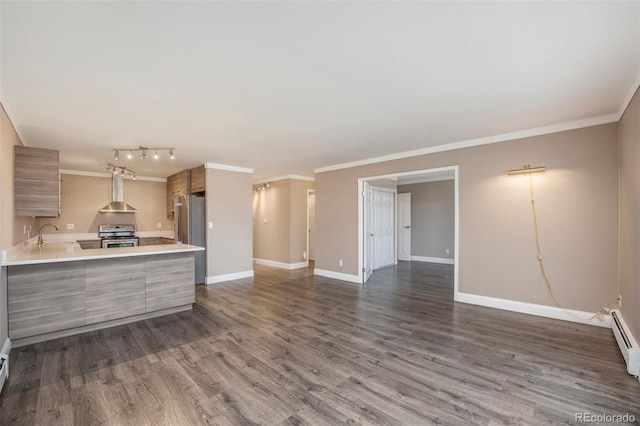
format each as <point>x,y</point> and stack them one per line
<point>30,253</point>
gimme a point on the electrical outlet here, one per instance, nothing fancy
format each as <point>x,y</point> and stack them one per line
<point>69,225</point>
<point>159,224</point>
<point>25,229</point>
<point>265,220</point>
<point>446,251</point>
<point>210,225</point>
<point>340,262</point>
<point>620,300</point>
<point>304,255</point>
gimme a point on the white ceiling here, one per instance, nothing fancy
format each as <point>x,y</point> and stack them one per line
<point>287,87</point>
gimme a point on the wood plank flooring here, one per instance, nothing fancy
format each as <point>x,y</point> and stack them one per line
<point>288,348</point>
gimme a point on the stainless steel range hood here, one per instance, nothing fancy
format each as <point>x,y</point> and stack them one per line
<point>117,205</point>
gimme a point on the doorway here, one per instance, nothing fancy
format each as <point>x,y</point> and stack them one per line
<point>365,201</point>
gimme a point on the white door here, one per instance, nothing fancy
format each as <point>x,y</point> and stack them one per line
<point>367,232</point>
<point>404,226</point>
<point>384,228</point>
<point>311,209</point>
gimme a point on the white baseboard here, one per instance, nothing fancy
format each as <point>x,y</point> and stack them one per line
<point>281,265</point>
<point>228,277</point>
<point>4,371</point>
<point>337,275</point>
<point>443,260</point>
<point>532,309</point>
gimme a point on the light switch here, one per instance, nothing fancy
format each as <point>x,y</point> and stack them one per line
<point>210,225</point>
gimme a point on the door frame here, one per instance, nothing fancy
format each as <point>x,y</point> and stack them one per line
<point>309,192</point>
<point>398,224</point>
<point>456,249</point>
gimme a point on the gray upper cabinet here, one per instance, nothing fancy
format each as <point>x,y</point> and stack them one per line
<point>198,180</point>
<point>177,184</point>
<point>36,182</point>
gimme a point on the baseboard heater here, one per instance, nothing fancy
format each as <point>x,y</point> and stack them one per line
<point>628,346</point>
<point>4,362</point>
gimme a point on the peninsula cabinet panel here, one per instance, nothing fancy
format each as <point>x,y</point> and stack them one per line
<point>36,182</point>
<point>115,288</point>
<point>170,281</point>
<point>45,298</point>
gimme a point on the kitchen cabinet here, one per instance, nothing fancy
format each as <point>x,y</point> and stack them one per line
<point>170,281</point>
<point>51,300</point>
<point>115,288</point>
<point>90,244</point>
<point>36,182</point>
<point>177,184</point>
<point>45,298</point>
<point>198,180</point>
<point>154,241</point>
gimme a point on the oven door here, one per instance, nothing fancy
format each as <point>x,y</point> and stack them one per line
<point>119,242</point>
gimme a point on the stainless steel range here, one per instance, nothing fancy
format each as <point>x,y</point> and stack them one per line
<point>118,236</point>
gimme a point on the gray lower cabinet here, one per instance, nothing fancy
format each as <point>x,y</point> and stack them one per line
<point>54,297</point>
<point>44,298</point>
<point>167,278</point>
<point>115,288</point>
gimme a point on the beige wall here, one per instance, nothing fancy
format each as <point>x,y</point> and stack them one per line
<point>432,218</point>
<point>283,238</point>
<point>230,242</point>
<point>577,200</point>
<point>83,196</point>
<point>629,215</point>
<point>11,227</point>
<point>271,225</point>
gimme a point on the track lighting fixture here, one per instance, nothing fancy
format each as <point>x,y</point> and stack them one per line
<point>144,150</point>
<point>111,168</point>
<point>262,187</point>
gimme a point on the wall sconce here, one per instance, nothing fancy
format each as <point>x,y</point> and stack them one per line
<point>144,150</point>
<point>526,169</point>
<point>111,168</point>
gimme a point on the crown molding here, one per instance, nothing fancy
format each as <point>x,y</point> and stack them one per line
<point>10,115</point>
<point>629,98</point>
<point>106,175</point>
<point>505,137</point>
<point>285,177</point>
<point>228,168</point>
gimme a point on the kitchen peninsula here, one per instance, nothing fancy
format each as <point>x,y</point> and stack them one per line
<point>58,289</point>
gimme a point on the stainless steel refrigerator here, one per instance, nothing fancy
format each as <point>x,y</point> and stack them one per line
<point>189,228</point>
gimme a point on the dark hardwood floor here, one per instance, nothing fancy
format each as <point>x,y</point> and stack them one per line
<point>288,348</point>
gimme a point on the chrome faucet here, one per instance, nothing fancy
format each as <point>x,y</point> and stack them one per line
<point>40,242</point>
